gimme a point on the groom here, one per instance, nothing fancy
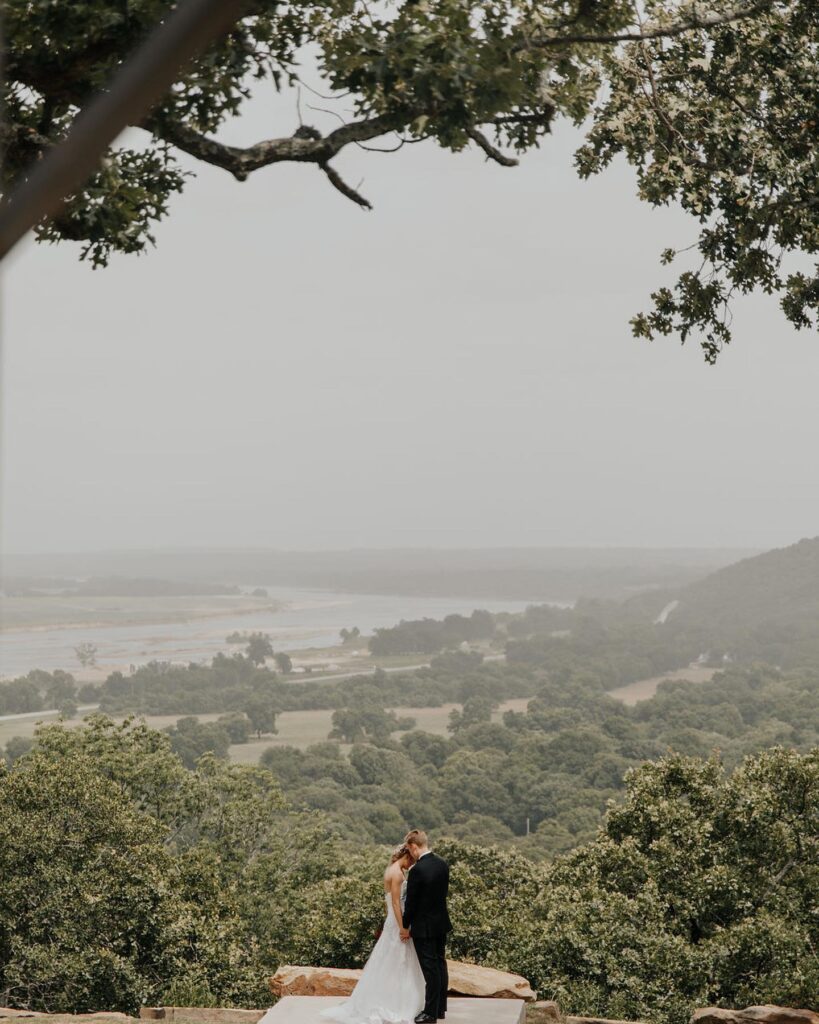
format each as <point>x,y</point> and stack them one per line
<point>426,921</point>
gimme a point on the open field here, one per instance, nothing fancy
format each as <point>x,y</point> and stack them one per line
<point>302,728</point>
<point>645,688</point>
<point>296,728</point>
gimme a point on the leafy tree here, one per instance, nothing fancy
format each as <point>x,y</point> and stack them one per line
<point>359,723</point>
<point>259,648</point>
<point>262,711</point>
<point>286,896</point>
<point>745,172</point>
<point>88,913</point>
<point>190,739</point>
<point>284,663</point>
<point>698,892</point>
<point>60,689</point>
<point>424,748</point>
<point>237,726</point>
<point>86,654</point>
<point>103,821</point>
<point>428,636</point>
<point>140,760</point>
<point>88,693</point>
<point>475,710</point>
<point>17,746</point>
<point>715,110</point>
<point>22,694</point>
<point>342,920</point>
<point>471,784</point>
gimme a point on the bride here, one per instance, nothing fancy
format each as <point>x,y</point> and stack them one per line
<point>391,987</point>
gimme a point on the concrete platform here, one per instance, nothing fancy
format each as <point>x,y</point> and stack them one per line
<point>306,1009</point>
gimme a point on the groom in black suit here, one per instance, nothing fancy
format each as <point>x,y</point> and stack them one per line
<point>426,922</point>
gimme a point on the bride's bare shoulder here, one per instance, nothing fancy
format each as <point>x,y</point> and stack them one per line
<point>393,874</point>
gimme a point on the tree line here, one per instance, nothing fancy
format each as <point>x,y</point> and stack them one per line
<point>173,885</point>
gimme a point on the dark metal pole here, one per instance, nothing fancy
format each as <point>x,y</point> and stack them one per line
<point>136,87</point>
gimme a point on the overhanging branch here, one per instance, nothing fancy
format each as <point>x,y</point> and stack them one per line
<point>303,147</point>
<point>346,190</point>
<point>492,152</point>
<point>307,145</point>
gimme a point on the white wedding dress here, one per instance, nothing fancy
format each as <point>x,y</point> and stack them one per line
<point>391,988</point>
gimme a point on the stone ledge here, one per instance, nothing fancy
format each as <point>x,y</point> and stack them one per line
<point>307,1010</point>
<point>544,1011</point>
<point>35,1017</point>
<point>200,1015</point>
<point>464,980</point>
<point>599,1020</point>
<point>767,1014</point>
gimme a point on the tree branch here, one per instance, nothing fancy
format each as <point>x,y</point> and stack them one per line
<point>338,182</point>
<point>494,154</point>
<point>306,146</point>
<point>678,28</point>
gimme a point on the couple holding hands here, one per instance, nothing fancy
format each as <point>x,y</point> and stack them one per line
<point>405,979</point>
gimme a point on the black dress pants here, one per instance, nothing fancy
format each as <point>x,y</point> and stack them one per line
<point>432,958</point>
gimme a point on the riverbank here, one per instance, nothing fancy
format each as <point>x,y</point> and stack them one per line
<point>304,623</point>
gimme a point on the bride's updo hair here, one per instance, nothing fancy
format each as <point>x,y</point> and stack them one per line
<point>399,853</point>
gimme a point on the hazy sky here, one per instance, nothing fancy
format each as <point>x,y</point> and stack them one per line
<point>452,369</point>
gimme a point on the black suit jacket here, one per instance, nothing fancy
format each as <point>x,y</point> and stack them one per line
<point>425,911</point>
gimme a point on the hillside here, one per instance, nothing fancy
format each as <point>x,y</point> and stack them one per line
<point>537,574</point>
<point>764,608</point>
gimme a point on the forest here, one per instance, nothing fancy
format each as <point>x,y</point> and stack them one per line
<point>631,861</point>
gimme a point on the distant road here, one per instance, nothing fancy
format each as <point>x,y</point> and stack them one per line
<point>45,711</point>
<point>309,677</point>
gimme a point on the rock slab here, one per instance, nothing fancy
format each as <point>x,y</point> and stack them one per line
<point>487,983</point>
<point>10,1016</point>
<point>599,1020</point>
<point>544,1011</point>
<point>199,1015</point>
<point>313,981</point>
<point>464,980</point>
<point>754,1015</point>
<point>307,1010</point>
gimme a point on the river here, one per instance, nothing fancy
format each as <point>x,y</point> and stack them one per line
<point>305,619</point>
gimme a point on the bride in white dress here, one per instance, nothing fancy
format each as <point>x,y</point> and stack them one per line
<point>391,987</point>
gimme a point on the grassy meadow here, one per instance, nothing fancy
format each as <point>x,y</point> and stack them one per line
<point>296,728</point>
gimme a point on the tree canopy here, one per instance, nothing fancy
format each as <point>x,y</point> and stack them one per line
<point>131,879</point>
<point>715,108</point>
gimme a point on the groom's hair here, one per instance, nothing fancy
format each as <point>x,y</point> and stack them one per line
<point>417,837</point>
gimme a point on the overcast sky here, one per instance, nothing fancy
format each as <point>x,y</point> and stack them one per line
<point>453,369</point>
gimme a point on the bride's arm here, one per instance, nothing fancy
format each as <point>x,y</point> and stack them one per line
<point>395,894</point>
<point>411,900</point>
